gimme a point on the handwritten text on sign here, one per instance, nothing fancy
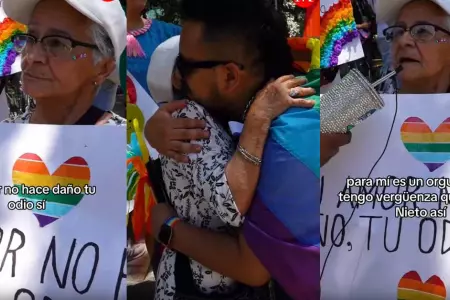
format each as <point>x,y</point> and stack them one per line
<point>384,204</point>
<point>63,273</point>
<point>62,213</point>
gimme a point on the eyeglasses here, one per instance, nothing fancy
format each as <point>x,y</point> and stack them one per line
<point>54,45</point>
<point>419,32</point>
<point>185,66</point>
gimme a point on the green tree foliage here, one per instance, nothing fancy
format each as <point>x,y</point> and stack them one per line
<point>166,10</point>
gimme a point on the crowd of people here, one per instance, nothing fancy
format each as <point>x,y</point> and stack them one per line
<point>230,62</point>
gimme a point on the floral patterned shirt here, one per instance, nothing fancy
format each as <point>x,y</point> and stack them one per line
<point>200,194</point>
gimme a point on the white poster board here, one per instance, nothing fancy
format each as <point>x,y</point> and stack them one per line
<point>380,255</point>
<point>351,49</point>
<point>75,248</point>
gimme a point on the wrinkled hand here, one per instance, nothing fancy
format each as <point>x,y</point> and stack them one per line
<point>160,213</point>
<point>274,98</point>
<point>330,144</point>
<point>170,136</point>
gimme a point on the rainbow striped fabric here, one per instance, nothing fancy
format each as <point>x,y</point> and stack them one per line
<point>282,226</point>
<point>29,170</point>
<point>430,148</point>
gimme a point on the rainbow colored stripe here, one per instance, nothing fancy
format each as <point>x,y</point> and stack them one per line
<point>337,29</point>
<point>430,148</point>
<point>283,216</point>
<point>30,170</point>
<point>8,28</point>
<point>411,287</point>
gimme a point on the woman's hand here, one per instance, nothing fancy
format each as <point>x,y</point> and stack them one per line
<point>278,96</point>
<point>170,136</point>
<point>330,144</point>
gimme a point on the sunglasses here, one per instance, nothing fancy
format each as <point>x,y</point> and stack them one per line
<point>419,32</point>
<point>186,66</point>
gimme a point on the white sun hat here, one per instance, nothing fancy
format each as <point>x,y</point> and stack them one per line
<point>159,75</point>
<point>388,10</point>
<point>109,14</point>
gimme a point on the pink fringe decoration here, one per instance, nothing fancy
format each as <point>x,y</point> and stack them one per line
<point>134,49</point>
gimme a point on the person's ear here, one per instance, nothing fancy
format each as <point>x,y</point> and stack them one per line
<point>104,70</point>
<point>229,77</point>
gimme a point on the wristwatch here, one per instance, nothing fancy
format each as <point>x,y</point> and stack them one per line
<point>166,231</point>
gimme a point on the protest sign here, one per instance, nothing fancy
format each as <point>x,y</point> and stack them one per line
<point>340,41</point>
<point>387,235</point>
<point>62,212</point>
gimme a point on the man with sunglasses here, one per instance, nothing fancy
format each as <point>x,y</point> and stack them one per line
<point>228,51</point>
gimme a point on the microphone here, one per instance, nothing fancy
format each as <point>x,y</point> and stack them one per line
<point>387,76</point>
<point>351,101</point>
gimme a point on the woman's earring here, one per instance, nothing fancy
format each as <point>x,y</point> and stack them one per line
<point>95,83</point>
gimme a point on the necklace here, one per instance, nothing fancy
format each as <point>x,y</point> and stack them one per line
<point>134,49</point>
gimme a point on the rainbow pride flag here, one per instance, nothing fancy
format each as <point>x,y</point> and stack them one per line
<point>29,170</point>
<point>282,226</point>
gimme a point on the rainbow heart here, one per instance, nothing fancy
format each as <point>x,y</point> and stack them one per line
<point>430,148</point>
<point>411,287</point>
<point>30,170</point>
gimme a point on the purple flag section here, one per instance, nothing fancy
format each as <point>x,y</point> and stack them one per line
<point>296,268</point>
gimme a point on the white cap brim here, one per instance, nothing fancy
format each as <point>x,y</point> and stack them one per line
<point>109,15</point>
<point>388,10</point>
<point>159,75</point>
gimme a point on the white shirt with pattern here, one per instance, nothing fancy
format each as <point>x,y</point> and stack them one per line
<point>200,194</point>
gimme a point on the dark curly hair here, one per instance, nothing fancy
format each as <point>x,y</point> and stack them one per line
<point>254,22</point>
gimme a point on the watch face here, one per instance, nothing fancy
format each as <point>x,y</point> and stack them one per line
<point>165,235</point>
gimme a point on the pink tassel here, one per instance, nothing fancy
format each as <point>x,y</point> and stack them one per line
<point>134,49</point>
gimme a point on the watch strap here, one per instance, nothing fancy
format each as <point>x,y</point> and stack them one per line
<point>172,221</point>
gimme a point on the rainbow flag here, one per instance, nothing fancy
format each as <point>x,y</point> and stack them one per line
<point>30,171</point>
<point>282,226</point>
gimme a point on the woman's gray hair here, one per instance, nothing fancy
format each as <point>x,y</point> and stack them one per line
<point>103,42</point>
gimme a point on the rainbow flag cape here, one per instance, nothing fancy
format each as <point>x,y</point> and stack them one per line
<point>282,226</point>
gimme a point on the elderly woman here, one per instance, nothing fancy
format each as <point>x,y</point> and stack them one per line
<point>419,32</point>
<point>70,49</point>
